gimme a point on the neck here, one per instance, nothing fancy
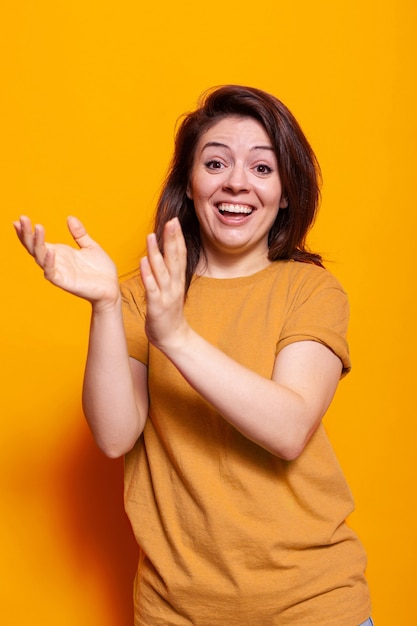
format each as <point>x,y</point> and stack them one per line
<point>231,267</point>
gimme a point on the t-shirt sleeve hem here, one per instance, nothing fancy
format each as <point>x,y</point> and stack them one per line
<point>336,344</point>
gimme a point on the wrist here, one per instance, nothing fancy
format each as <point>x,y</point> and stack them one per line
<point>174,343</point>
<point>107,304</point>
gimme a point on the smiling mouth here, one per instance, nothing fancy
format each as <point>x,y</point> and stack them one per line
<point>237,209</point>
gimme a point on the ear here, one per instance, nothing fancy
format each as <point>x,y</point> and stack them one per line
<point>283,203</point>
<point>188,192</point>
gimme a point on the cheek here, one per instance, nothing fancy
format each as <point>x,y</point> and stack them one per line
<point>200,197</point>
<point>201,187</point>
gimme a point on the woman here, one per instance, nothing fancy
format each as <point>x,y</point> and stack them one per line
<point>212,371</point>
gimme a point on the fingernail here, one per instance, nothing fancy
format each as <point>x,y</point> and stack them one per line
<point>173,225</point>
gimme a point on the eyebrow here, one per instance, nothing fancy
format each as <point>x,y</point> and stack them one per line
<point>218,144</point>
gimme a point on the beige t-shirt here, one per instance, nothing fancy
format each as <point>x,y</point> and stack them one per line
<point>232,535</point>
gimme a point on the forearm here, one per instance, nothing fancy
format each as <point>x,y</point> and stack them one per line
<point>270,414</point>
<point>113,411</point>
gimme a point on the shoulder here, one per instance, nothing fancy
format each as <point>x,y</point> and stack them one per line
<point>133,310</point>
<point>132,290</point>
<point>131,282</point>
<point>299,270</point>
<point>304,278</point>
<point>318,309</point>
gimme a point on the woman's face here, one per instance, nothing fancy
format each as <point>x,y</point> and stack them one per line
<point>237,193</point>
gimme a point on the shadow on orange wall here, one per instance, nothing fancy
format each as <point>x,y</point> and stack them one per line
<point>90,499</point>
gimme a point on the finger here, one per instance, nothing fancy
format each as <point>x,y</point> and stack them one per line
<point>175,252</point>
<point>18,228</point>
<point>39,246</point>
<point>174,245</point>
<point>182,247</point>
<point>147,276</point>
<point>79,233</point>
<point>156,262</point>
<point>24,232</point>
<point>49,264</point>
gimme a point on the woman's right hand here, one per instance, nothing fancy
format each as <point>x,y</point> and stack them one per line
<point>87,272</point>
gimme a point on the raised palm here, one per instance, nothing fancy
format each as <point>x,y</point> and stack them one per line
<point>86,271</point>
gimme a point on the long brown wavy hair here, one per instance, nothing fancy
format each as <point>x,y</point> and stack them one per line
<point>297,165</point>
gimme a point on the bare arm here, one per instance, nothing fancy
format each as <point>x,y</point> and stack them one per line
<point>115,390</point>
<point>279,414</point>
<point>115,395</point>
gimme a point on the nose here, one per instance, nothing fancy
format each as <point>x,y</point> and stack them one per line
<point>237,180</point>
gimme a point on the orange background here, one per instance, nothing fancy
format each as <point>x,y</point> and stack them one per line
<point>90,94</point>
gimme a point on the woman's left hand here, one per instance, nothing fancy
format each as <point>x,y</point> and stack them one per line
<point>163,277</point>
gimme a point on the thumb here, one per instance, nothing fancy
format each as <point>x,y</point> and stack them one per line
<point>78,232</point>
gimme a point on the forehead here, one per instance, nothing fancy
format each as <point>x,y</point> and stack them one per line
<point>235,131</point>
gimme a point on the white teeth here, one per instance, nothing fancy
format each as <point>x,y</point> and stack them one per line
<point>234,208</point>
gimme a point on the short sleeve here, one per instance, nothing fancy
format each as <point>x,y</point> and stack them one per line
<point>320,312</point>
<point>133,309</point>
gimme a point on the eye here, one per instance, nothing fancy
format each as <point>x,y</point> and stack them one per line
<point>214,165</point>
<point>263,169</point>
